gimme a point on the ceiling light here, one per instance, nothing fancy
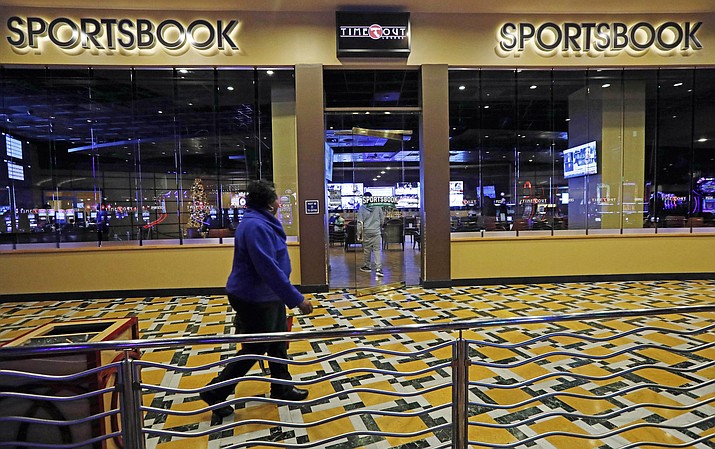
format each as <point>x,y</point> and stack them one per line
<point>160,112</point>
<point>462,87</point>
<point>532,87</point>
<point>606,86</point>
<point>183,71</point>
<point>486,107</point>
<point>568,119</point>
<point>677,84</point>
<point>382,172</point>
<point>702,139</point>
<point>269,72</point>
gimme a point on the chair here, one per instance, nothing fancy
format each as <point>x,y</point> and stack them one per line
<point>675,221</point>
<point>336,237</point>
<point>491,224</point>
<point>695,222</point>
<point>411,227</point>
<point>220,233</point>
<point>393,233</point>
<point>193,233</point>
<point>521,224</point>
<point>351,235</point>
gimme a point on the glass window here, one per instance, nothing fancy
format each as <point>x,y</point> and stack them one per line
<point>702,206</point>
<point>114,155</point>
<point>586,150</point>
<point>371,88</point>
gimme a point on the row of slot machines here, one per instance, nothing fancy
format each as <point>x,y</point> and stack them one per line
<point>42,220</point>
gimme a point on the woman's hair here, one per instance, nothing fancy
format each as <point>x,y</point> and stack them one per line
<point>261,194</point>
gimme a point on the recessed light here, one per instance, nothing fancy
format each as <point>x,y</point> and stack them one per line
<point>230,88</point>
<point>486,106</point>
<point>606,86</point>
<point>462,87</point>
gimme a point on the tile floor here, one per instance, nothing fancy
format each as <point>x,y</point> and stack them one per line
<point>161,317</point>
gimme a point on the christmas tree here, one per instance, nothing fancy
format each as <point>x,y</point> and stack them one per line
<point>199,207</point>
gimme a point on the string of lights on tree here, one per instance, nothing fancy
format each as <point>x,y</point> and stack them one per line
<point>199,207</point>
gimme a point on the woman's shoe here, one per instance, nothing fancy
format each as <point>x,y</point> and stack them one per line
<point>221,412</point>
<point>290,394</point>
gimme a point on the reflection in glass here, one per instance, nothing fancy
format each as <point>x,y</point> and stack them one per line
<point>110,155</point>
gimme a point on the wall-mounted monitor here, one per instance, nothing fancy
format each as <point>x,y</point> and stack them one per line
<point>15,171</point>
<point>489,191</point>
<point>13,147</point>
<point>380,191</point>
<point>408,195</point>
<point>456,193</point>
<point>580,160</point>
<point>351,202</point>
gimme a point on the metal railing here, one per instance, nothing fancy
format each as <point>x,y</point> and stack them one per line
<point>527,381</point>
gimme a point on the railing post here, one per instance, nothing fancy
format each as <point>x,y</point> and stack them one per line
<point>460,380</point>
<point>129,403</point>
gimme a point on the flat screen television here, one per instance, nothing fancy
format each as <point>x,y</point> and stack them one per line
<point>351,202</point>
<point>380,191</point>
<point>408,195</point>
<point>456,193</point>
<point>580,160</point>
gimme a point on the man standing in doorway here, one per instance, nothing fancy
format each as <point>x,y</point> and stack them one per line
<point>371,216</point>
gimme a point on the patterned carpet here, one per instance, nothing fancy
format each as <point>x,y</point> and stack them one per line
<point>161,317</point>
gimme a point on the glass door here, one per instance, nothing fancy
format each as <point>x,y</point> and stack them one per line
<point>375,168</point>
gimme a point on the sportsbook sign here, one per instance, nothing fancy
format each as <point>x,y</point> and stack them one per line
<point>596,38</point>
<point>370,35</point>
<point>109,34</point>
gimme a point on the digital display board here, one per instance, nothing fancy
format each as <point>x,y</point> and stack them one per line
<point>15,171</point>
<point>13,147</point>
<point>580,160</point>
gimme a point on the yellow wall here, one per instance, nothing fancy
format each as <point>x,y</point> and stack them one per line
<point>286,38</point>
<point>582,255</point>
<point>121,268</point>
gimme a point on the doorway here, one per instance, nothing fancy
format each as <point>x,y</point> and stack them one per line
<point>373,152</point>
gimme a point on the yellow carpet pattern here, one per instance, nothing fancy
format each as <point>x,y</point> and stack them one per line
<point>161,317</point>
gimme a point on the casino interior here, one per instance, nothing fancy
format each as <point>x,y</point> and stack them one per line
<point>547,174</point>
